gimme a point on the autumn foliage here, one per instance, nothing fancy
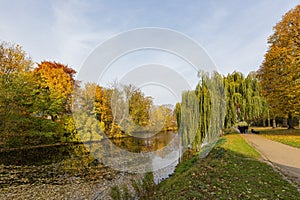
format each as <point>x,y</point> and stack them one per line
<point>280,72</point>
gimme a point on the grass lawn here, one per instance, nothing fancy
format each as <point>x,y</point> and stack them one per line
<point>290,137</point>
<point>229,172</point>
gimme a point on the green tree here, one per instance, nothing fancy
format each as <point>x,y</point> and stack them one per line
<point>279,73</point>
<point>19,120</point>
<point>243,99</point>
<point>200,115</point>
<point>189,122</point>
<point>15,85</point>
<point>177,112</point>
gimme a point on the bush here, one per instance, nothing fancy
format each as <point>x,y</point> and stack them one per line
<point>230,131</point>
<point>242,123</point>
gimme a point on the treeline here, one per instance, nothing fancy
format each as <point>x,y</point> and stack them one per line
<point>118,111</point>
<point>34,102</point>
<point>219,102</point>
<point>270,94</point>
<point>46,104</point>
<point>37,104</point>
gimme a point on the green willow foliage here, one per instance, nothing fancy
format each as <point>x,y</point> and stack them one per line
<point>201,113</point>
<point>189,118</point>
<point>243,99</point>
<point>218,102</point>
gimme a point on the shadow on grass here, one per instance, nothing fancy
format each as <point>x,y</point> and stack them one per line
<point>283,132</point>
<point>225,174</point>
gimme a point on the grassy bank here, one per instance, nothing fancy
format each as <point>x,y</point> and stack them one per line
<point>290,137</point>
<point>231,171</point>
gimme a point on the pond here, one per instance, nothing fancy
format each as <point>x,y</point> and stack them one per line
<point>63,164</point>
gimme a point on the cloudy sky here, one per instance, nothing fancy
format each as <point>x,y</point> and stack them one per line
<point>234,32</point>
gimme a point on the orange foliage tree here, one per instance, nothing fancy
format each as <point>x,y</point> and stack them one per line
<point>56,83</point>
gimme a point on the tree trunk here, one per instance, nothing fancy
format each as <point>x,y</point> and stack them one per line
<point>274,123</point>
<point>269,121</point>
<point>264,122</point>
<point>290,122</point>
<point>284,122</point>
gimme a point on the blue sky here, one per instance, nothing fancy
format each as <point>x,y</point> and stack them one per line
<point>234,33</point>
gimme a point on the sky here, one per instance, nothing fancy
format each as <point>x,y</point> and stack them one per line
<point>233,33</point>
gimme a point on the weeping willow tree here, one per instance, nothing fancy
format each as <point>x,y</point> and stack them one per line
<point>189,116</point>
<point>244,100</point>
<point>201,113</point>
<point>204,100</point>
<point>221,102</point>
<point>211,95</point>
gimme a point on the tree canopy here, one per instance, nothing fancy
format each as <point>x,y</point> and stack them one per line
<point>243,99</point>
<point>279,73</point>
<point>36,103</point>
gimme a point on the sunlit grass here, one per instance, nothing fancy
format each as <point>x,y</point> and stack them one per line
<point>235,143</point>
<point>229,172</point>
<point>290,137</point>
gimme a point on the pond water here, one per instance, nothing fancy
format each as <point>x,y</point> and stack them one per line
<point>60,164</point>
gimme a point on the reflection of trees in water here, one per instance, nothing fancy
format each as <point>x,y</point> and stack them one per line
<point>151,144</point>
<point>79,161</point>
<point>135,154</point>
<point>86,161</point>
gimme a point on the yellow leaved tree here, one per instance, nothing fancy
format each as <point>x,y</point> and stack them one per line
<point>279,73</point>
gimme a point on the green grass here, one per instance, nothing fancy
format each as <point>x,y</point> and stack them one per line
<point>236,144</point>
<point>229,172</point>
<point>290,137</point>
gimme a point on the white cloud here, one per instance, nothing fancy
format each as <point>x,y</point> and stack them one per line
<point>74,36</point>
<point>233,33</point>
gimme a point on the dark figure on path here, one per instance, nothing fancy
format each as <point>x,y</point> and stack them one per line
<point>253,131</point>
<point>243,129</point>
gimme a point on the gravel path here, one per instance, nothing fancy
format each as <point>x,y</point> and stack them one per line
<point>284,157</point>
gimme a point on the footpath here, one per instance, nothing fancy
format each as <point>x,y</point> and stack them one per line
<point>283,157</point>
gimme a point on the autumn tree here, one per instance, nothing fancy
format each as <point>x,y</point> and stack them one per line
<point>55,87</point>
<point>130,108</point>
<point>102,108</point>
<point>139,107</point>
<point>280,72</point>
<point>121,109</point>
<point>19,122</point>
<point>86,113</point>
<point>15,85</point>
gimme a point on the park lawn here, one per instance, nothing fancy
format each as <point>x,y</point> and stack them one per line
<point>286,136</point>
<point>230,171</point>
<point>236,144</point>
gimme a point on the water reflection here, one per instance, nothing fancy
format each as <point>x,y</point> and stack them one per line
<point>143,143</point>
<point>57,164</point>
